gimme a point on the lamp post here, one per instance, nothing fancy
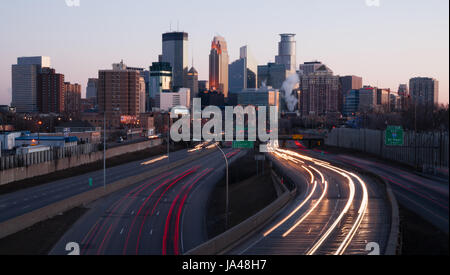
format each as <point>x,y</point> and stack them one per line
<point>168,139</point>
<point>39,132</point>
<point>226,185</point>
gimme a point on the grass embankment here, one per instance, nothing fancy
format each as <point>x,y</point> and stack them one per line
<point>248,195</point>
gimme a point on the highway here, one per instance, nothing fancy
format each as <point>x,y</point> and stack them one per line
<point>164,215</point>
<point>27,200</point>
<point>426,196</point>
<point>335,212</point>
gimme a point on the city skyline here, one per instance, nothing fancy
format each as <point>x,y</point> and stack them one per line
<point>412,37</point>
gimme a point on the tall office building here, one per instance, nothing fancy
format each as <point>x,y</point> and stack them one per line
<point>142,99</point>
<point>351,103</point>
<point>25,82</point>
<point>118,93</point>
<point>72,94</point>
<point>192,82</point>
<point>287,50</point>
<point>272,75</point>
<point>319,92</point>
<point>91,89</point>
<point>348,83</point>
<point>243,72</point>
<point>218,66</point>
<point>50,96</point>
<point>175,52</point>
<point>424,91</point>
<point>160,80</point>
<point>367,98</point>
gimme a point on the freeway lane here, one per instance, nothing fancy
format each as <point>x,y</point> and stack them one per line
<point>424,196</point>
<point>27,200</point>
<point>337,213</point>
<point>148,218</point>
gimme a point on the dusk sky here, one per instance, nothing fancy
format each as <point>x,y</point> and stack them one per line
<point>386,45</point>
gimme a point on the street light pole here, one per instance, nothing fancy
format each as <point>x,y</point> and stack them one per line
<point>226,185</point>
<point>104,139</point>
<point>168,139</point>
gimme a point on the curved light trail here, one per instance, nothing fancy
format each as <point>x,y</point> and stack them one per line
<point>288,155</point>
<point>298,207</point>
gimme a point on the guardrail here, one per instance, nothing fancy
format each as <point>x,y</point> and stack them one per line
<point>17,224</point>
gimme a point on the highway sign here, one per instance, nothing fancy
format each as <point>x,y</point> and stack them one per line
<point>243,144</point>
<point>66,132</point>
<point>394,136</point>
<point>297,137</point>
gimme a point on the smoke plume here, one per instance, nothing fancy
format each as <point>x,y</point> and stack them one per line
<point>289,85</point>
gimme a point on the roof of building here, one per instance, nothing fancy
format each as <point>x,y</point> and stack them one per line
<point>193,71</point>
<point>76,124</point>
<point>49,138</point>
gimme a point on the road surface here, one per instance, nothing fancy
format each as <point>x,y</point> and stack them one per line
<point>339,212</point>
<point>159,216</point>
<point>26,200</point>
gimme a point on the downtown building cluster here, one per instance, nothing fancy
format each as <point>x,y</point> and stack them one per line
<point>125,95</point>
<point>39,88</point>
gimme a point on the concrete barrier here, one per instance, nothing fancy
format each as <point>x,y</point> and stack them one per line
<point>17,224</point>
<point>232,237</point>
<point>392,247</point>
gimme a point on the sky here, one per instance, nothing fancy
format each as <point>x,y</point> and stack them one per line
<point>387,42</point>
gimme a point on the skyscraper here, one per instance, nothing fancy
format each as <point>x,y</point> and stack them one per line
<point>319,92</point>
<point>118,93</point>
<point>272,75</point>
<point>72,94</point>
<point>424,91</point>
<point>243,72</point>
<point>348,83</point>
<point>142,100</point>
<point>218,66</point>
<point>175,52</point>
<point>50,96</point>
<point>367,99</point>
<point>91,89</point>
<point>25,82</point>
<point>192,82</point>
<point>287,50</point>
<point>160,80</point>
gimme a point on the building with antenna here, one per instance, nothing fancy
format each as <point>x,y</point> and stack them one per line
<point>175,52</point>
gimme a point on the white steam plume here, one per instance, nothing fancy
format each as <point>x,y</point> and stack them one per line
<point>288,86</point>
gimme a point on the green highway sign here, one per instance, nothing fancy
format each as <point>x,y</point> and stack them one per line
<point>243,144</point>
<point>394,136</point>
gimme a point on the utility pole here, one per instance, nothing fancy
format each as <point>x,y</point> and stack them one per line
<point>226,186</point>
<point>104,138</point>
<point>168,139</point>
